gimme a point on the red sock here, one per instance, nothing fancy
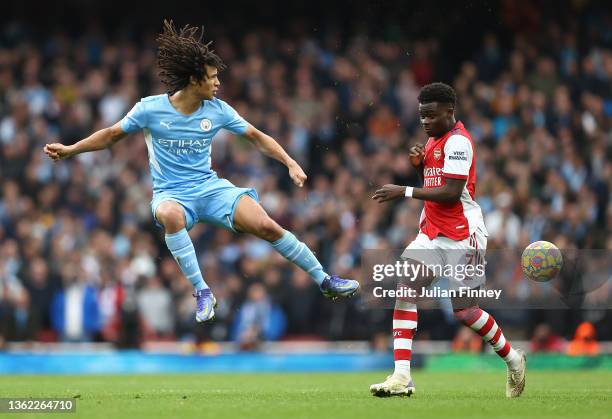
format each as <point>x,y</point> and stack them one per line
<point>404,325</point>
<point>485,325</point>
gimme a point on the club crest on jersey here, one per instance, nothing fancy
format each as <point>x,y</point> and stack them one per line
<point>205,124</point>
<point>437,153</point>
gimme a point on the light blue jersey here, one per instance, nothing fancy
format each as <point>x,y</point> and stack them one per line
<point>180,145</point>
<point>179,157</point>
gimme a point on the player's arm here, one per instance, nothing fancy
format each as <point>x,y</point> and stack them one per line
<point>448,193</point>
<point>457,163</point>
<point>99,140</point>
<point>268,146</point>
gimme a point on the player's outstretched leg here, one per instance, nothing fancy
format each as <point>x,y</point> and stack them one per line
<point>404,325</point>
<point>172,216</point>
<point>250,217</point>
<point>485,325</point>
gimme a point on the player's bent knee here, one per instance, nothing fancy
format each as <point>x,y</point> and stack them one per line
<point>269,230</point>
<point>467,315</point>
<point>171,215</point>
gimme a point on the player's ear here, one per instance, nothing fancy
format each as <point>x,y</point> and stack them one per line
<point>450,110</point>
<point>193,80</point>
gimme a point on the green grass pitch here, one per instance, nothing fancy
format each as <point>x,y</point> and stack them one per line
<point>321,395</point>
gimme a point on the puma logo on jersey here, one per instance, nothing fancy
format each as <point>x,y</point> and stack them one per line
<point>165,124</point>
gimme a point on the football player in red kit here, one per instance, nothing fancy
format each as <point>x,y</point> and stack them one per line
<point>451,224</point>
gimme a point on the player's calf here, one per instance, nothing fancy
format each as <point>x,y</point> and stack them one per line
<point>297,252</point>
<point>171,215</point>
<point>405,320</point>
<point>485,325</point>
<point>250,217</point>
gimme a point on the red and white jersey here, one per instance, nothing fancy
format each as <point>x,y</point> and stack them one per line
<point>451,156</point>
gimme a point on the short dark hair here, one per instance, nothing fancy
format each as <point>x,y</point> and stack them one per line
<point>438,92</point>
<point>181,54</point>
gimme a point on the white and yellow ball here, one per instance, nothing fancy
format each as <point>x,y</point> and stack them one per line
<point>541,261</point>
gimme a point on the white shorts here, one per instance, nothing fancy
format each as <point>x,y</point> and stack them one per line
<point>462,262</point>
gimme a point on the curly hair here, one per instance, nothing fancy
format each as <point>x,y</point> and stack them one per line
<point>438,92</point>
<point>182,54</point>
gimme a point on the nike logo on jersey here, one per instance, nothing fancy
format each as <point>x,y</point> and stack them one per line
<point>165,124</point>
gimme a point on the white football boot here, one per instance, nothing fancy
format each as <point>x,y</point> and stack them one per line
<point>393,386</point>
<point>516,377</point>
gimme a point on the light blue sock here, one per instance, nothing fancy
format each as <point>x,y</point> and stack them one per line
<point>297,252</point>
<point>182,249</point>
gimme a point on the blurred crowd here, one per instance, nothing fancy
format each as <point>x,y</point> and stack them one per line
<point>80,257</point>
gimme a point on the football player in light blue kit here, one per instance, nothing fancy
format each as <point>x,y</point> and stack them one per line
<point>178,128</point>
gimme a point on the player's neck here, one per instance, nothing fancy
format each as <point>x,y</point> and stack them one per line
<point>451,124</point>
<point>185,102</point>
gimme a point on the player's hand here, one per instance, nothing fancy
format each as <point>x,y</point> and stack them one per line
<point>297,174</point>
<point>58,151</point>
<point>416,155</point>
<point>389,193</point>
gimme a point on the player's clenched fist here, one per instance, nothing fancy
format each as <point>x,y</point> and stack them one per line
<point>297,174</point>
<point>57,151</point>
<point>416,155</point>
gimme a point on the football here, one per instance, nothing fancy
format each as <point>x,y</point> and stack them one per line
<point>541,261</point>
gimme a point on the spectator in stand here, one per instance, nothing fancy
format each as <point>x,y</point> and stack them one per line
<point>258,319</point>
<point>155,305</point>
<point>14,303</point>
<point>74,309</point>
<point>466,341</point>
<point>545,340</point>
<point>584,342</point>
